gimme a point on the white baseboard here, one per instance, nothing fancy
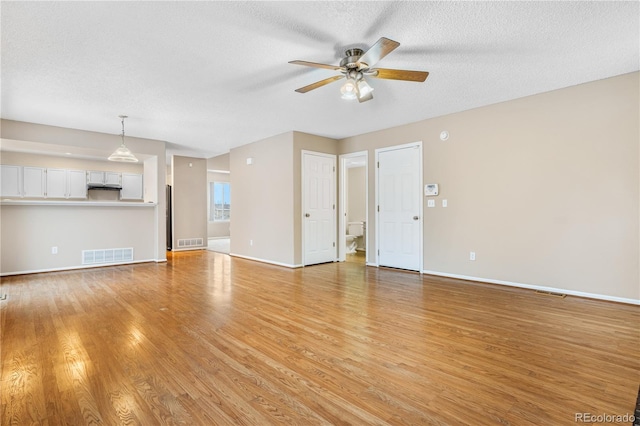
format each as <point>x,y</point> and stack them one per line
<point>372,264</point>
<point>537,287</point>
<point>218,238</point>
<point>190,248</point>
<point>72,268</point>
<point>286,265</point>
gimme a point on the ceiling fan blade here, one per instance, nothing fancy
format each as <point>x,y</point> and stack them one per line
<point>406,75</point>
<point>320,83</point>
<point>317,65</point>
<point>382,48</point>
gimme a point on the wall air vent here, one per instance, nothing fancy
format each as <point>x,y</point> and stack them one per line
<point>106,256</point>
<point>190,242</point>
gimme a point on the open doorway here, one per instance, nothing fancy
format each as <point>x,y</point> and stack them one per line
<point>218,211</point>
<point>353,212</point>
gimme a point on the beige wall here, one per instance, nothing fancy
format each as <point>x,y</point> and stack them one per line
<point>51,161</point>
<point>544,189</point>
<point>51,138</point>
<point>220,162</point>
<point>356,195</point>
<point>266,197</point>
<point>262,200</point>
<point>357,200</point>
<point>29,232</point>
<point>189,199</point>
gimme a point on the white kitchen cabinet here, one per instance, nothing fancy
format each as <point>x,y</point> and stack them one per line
<point>63,183</point>
<point>132,187</point>
<point>10,181</point>
<point>112,179</point>
<point>33,182</point>
<point>104,178</point>
<point>95,178</point>
<point>56,183</point>
<point>76,184</point>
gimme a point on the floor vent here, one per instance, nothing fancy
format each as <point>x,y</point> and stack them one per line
<point>550,293</point>
<point>191,242</point>
<point>97,257</point>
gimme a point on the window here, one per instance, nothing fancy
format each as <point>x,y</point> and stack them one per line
<point>219,201</point>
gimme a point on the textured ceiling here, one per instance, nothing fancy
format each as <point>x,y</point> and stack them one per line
<point>209,76</point>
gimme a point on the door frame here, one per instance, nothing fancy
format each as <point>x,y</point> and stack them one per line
<point>342,211</point>
<point>303,200</point>
<point>417,144</point>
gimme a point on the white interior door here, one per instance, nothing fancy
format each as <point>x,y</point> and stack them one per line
<point>400,207</point>
<point>319,207</point>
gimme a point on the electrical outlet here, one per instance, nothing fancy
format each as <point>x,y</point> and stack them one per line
<point>54,250</point>
<point>472,255</point>
<point>444,203</point>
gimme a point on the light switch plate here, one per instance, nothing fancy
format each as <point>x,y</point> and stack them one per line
<point>444,203</point>
<point>431,203</point>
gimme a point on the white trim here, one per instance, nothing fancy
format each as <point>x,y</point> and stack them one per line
<point>537,287</point>
<point>334,157</point>
<point>271,262</point>
<point>228,237</point>
<point>70,268</point>
<point>371,264</point>
<point>342,229</point>
<point>420,204</point>
<point>219,171</point>
<point>190,248</point>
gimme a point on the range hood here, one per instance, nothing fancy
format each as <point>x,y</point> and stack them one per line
<point>104,187</point>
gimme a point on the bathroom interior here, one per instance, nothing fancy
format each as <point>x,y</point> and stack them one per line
<point>356,196</point>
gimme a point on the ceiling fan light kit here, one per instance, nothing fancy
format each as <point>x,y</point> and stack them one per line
<point>356,65</point>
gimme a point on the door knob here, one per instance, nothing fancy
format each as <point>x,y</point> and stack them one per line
<point>415,218</point>
<point>307,215</point>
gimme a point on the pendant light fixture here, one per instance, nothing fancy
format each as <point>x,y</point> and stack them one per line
<point>123,153</point>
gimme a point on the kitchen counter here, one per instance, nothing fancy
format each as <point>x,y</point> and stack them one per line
<point>13,202</point>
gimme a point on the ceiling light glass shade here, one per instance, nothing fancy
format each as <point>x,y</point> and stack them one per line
<point>364,89</point>
<point>349,89</point>
<point>123,154</point>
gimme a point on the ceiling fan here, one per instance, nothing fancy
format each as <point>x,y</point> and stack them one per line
<point>356,65</point>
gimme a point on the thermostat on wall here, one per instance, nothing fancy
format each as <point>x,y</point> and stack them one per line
<point>431,189</point>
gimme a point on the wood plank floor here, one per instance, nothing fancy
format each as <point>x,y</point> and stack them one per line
<point>208,339</point>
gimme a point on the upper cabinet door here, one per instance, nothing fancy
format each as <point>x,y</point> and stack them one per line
<point>33,179</point>
<point>10,181</point>
<point>76,184</point>
<point>56,183</point>
<point>132,187</point>
<point>112,179</point>
<point>95,178</point>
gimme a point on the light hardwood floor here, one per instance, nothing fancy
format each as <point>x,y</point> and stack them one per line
<point>208,339</point>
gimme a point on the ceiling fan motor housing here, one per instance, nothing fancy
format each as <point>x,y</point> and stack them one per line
<point>350,61</point>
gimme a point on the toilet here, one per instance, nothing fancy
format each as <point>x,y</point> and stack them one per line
<point>354,231</point>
